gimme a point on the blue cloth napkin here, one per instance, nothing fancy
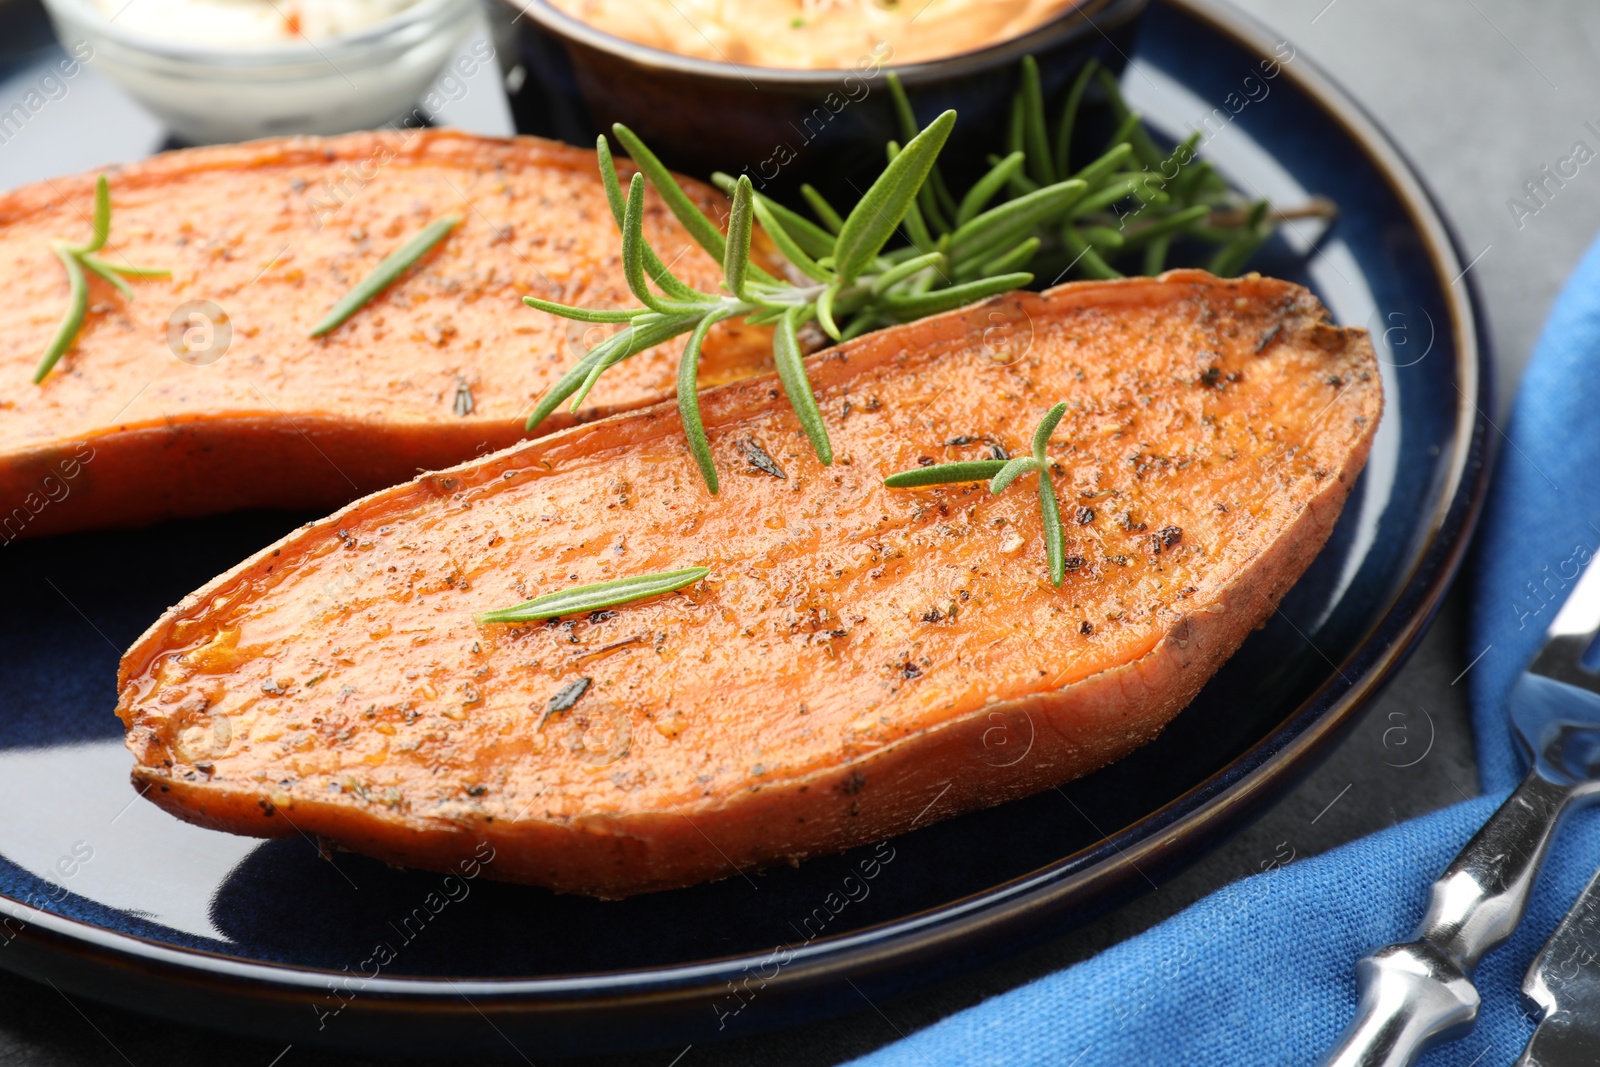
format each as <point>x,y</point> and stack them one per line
<point>1261,972</point>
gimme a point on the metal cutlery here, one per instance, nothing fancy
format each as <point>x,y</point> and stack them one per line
<point>1417,994</point>
<point>1563,982</point>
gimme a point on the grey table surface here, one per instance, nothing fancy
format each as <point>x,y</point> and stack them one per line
<point>1480,94</point>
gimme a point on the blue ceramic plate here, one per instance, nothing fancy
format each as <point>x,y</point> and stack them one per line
<point>108,897</point>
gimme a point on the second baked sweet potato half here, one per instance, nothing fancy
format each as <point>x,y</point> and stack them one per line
<point>206,391</point>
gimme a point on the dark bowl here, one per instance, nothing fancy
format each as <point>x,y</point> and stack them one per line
<point>784,127</point>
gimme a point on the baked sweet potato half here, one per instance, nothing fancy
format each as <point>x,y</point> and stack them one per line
<point>255,412</point>
<point>838,674</point>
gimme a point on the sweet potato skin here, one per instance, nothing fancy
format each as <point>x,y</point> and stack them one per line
<point>859,658</point>
<point>442,367</point>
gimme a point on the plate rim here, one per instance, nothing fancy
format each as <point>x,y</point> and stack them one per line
<point>1222,801</point>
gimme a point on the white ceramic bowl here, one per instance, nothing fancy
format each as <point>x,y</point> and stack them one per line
<point>208,95</point>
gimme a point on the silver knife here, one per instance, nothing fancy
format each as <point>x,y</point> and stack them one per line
<point>1564,985</point>
<point>1417,994</point>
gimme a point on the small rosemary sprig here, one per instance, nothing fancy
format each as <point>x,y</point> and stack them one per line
<point>596,596</point>
<point>1000,473</point>
<point>383,275</point>
<point>78,258</point>
<point>851,285</point>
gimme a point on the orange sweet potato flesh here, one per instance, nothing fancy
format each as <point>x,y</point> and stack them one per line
<point>837,676</point>
<point>274,233</point>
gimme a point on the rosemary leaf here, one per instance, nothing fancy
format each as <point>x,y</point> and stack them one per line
<point>1002,227</point>
<point>904,116</point>
<point>977,470</point>
<point>569,382</point>
<point>825,311</point>
<point>1019,183</point>
<point>905,269</point>
<point>122,270</point>
<point>1191,181</point>
<point>670,283</point>
<point>1016,131</point>
<point>861,325</point>
<point>702,229</point>
<point>75,258</point>
<point>767,316</point>
<point>1046,427</point>
<point>1013,260</point>
<point>595,597</point>
<point>1069,117</point>
<point>1106,165</point>
<point>1125,128</point>
<point>873,221</point>
<point>1173,223</point>
<point>824,210</point>
<point>813,238</point>
<point>1185,158</point>
<point>689,400</point>
<point>619,346</point>
<point>1084,256</point>
<point>988,186</point>
<point>1050,512</point>
<point>103,269</point>
<point>787,245</point>
<point>1119,189</point>
<point>808,235</point>
<point>630,342</point>
<point>102,219</point>
<point>1000,474</point>
<point>928,195</point>
<point>916,229</point>
<point>126,271</point>
<point>1143,144</point>
<point>1010,471</point>
<point>736,259</point>
<point>633,257</point>
<point>956,295</point>
<point>72,321</point>
<point>941,193</point>
<point>915,226</point>
<point>610,180</point>
<point>385,273</point>
<point>1103,238</point>
<point>1155,255</point>
<point>583,314</point>
<point>1231,259</point>
<point>1041,167</point>
<point>792,372</point>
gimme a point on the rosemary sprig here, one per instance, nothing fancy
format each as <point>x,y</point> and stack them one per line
<point>383,275</point>
<point>851,284</point>
<point>76,259</point>
<point>596,596</point>
<point>1140,200</point>
<point>1000,473</point>
<point>1030,214</point>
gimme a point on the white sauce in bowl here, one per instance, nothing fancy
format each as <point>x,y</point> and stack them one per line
<point>248,23</point>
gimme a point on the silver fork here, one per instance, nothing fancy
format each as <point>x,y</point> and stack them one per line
<point>1418,994</point>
